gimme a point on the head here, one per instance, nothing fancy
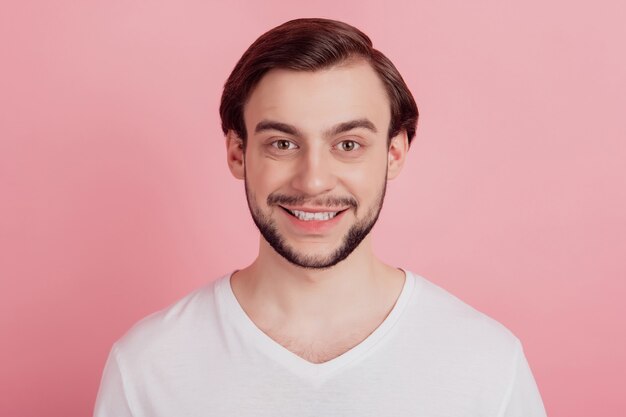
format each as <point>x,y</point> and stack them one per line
<point>316,121</point>
<point>310,45</point>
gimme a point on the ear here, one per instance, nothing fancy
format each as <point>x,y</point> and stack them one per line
<point>235,154</point>
<point>398,148</point>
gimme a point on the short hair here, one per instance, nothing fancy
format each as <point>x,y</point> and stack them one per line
<point>311,44</point>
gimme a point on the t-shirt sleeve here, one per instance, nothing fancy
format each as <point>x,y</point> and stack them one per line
<point>111,400</point>
<point>522,398</point>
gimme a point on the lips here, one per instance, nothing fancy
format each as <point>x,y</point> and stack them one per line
<point>315,214</point>
<point>311,215</point>
<point>315,221</point>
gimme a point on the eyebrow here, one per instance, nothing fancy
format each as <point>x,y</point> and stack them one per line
<point>343,127</point>
<point>265,125</point>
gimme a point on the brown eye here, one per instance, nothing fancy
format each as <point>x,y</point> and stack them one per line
<point>348,145</point>
<point>283,144</point>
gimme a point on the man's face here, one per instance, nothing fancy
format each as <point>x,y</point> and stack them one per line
<point>316,160</point>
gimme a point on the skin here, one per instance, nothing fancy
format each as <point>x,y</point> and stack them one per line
<point>317,313</point>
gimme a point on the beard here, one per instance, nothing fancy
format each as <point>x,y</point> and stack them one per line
<point>351,240</point>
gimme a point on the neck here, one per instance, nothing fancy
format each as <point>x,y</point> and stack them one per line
<point>273,288</point>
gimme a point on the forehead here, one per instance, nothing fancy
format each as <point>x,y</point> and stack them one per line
<point>316,100</point>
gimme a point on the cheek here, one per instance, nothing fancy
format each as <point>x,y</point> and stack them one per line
<point>266,176</point>
<point>365,182</point>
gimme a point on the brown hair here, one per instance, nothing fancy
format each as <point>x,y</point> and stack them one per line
<point>308,45</point>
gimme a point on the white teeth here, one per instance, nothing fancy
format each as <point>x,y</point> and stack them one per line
<point>306,216</point>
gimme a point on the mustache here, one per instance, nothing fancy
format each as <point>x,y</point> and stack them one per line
<point>299,200</point>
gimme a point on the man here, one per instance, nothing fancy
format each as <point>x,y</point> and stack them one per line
<point>316,123</point>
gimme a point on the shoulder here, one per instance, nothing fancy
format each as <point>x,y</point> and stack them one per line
<point>458,327</point>
<point>164,330</point>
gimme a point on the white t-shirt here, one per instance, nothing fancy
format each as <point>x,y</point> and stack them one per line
<point>432,356</point>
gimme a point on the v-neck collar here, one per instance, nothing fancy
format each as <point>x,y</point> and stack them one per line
<point>315,373</point>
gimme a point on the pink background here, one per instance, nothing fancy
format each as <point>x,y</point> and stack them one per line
<point>116,200</point>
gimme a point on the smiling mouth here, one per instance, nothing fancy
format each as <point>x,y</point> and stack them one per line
<point>310,216</point>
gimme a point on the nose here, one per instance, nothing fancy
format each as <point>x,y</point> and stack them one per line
<point>314,173</point>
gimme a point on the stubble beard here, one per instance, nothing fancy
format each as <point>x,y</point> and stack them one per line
<point>351,240</point>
